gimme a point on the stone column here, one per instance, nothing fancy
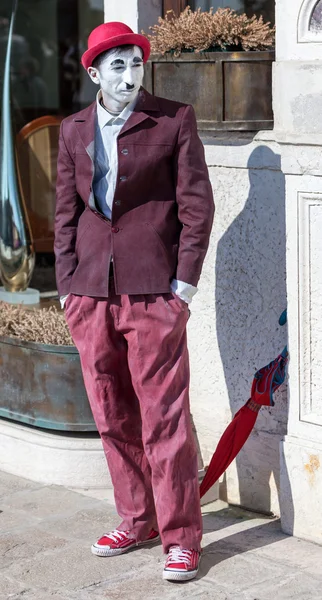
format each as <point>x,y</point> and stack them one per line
<point>298,129</point>
<point>137,14</point>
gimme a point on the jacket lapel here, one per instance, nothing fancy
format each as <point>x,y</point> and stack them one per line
<point>85,123</point>
<point>145,107</point>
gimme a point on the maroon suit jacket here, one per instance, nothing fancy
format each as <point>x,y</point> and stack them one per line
<point>162,210</point>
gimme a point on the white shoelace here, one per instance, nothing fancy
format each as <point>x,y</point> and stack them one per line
<point>117,536</point>
<point>176,555</point>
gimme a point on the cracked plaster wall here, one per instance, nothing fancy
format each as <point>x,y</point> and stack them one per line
<point>233,329</point>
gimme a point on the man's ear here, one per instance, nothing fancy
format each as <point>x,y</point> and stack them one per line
<point>94,75</point>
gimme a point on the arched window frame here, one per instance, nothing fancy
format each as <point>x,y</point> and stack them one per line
<point>304,33</point>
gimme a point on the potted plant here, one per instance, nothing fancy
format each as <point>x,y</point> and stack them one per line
<point>40,373</point>
<point>220,62</point>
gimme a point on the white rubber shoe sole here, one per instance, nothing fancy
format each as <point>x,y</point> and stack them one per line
<point>172,575</point>
<point>106,551</point>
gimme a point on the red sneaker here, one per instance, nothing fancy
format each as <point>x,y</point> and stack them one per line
<point>118,542</point>
<point>181,565</point>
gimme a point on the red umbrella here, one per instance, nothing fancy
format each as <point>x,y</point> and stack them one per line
<point>266,381</point>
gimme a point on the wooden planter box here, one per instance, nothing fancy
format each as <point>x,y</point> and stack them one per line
<point>230,91</point>
<point>42,385</point>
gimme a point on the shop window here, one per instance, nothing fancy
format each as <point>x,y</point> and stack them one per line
<point>49,38</point>
<point>47,83</point>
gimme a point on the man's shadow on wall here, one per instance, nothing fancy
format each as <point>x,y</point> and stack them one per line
<point>250,296</point>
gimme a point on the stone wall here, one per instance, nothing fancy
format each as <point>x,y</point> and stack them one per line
<point>268,194</point>
<point>298,128</point>
<point>233,329</point>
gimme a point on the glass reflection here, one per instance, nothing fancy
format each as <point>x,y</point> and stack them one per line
<point>16,251</point>
<point>47,83</point>
<point>48,40</point>
<point>266,8</point>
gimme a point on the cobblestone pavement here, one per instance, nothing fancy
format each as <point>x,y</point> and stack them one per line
<point>46,533</point>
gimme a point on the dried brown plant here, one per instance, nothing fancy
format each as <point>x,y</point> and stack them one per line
<point>202,31</point>
<point>45,326</point>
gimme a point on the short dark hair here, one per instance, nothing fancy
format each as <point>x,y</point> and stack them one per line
<point>99,59</point>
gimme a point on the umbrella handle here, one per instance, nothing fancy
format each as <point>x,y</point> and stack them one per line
<point>253,406</point>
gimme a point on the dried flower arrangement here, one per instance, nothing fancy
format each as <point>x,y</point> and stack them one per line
<point>44,326</point>
<point>208,31</point>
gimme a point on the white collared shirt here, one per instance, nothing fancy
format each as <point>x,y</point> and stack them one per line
<point>108,127</point>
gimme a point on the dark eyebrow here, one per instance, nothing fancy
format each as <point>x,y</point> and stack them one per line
<point>137,59</point>
<point>117,61</point>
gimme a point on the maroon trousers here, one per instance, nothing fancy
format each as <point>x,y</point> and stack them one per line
<point>134,357</point>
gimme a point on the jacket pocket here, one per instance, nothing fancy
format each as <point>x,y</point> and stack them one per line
<point>80,234</point>
<point>160,242</point>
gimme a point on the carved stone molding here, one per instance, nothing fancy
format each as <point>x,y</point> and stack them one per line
<point>306,33</point>
<point>310,306</point>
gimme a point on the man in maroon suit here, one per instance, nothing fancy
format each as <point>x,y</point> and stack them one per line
<point>133,220</point>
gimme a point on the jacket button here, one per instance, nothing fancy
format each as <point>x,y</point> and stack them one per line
<point>117,202</point>
<point>124,151</point>
<point>115,229</point>
<point>123,178</point>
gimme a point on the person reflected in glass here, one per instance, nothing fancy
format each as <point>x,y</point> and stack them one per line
<point>29,88</point>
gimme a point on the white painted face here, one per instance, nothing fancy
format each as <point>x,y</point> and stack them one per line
<point>119,76</point>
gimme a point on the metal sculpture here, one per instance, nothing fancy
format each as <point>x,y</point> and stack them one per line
<point>17,257</point>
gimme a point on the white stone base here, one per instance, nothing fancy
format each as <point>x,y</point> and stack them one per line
<point>75,462</point>
<point>301,488</point>
<point>29,296</point>
<point>252,480</point>
<point>58,459</point>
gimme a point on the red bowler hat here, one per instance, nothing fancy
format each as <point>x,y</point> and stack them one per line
<point>109,35</point>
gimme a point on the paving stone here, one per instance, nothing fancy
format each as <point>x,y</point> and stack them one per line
<point>235,572</point>
<point>48,501</point>
<point>294,587</point>
<point>87,524</point>
<point>241,537</point>
<point>26,545</point>
<point>12,520</point>
<point>100,494</point>
<point>150,585</point>
<point>74,567</point>
<point>39,594</point>
<point>293,552</point>
<point>10,588</point>
<point>10,484</point>
<point>46,533</point>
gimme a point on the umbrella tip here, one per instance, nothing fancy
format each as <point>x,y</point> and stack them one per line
<point>283,318</point>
